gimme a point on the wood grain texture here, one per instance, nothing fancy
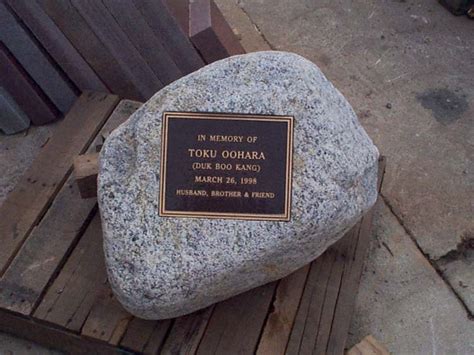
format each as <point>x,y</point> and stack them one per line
<point>86,169</point>
<point>351,278</point>
<point>235,324</point>
<point>107,320</point>
<point>305,328</point>
<point>326,307</point>
<point>174,40</point>
<point>145,336</point>
<point>92,49</point>
<point>186,332</point>
<point>280,320</point>
<point>329,299</point>
<point>44,251</point>
<point>199,16</point>
<point>224,32</point>
<point>57,45</point>
<point>29,96</point>
<point>79,285</point>
<point>46,248</point>
<point>179,9</point>
<point>202,34</point>
<point>28,202</point>
<point>144,39</point>
<point>35,61</point>
<point>210,33</point>
<point>123,50</point>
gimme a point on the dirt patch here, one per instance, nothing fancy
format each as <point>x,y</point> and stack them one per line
<point>446,106</point>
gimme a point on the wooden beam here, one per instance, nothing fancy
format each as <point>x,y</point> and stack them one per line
<point>210,32</point>
<point>177,44</point>
<point>86,168</point>
<point>35,61</point>
<point>29,96</point>
<point>180,11</point>
<point>148,43</point>
<point>93,50</point>
<point>57,45</point>
<point>118,43</point>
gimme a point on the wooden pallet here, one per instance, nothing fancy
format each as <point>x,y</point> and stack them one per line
<point>54,290</point>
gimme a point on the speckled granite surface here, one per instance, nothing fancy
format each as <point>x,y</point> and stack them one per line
<point>166,267</point>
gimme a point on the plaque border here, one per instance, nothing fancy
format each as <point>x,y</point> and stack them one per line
<point>285,217</point>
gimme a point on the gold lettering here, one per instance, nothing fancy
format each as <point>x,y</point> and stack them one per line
<point>243,155</point>
<point>234,194</point>
<point>180,192</point>
<point>247,167</point>
<point>202,153</point>
<point>226,139</point>
<point>270,195</point>
<point>208,179</point>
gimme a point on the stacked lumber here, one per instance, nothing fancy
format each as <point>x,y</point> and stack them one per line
<point>53,50</point>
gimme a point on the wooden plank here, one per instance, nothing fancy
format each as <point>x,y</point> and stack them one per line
<point>12,118</point>
<point>46,248</point>
<point>235,325</point>
<point>27,203</point>
<point>47,335</point>
<point>186,332</point>
<point>329,299</point>
<point>145,336</point>
<point>123,50</point>
<point>224,32</point>
<point>144,39</point>
<point>210,33</point>
<point>107,320</point>
<point>199,16</point>
<point>351,279</point>
<point>202,34</point>
<point>179,9</point>
<point>280,320</point>
<point>122,112</point>
<point>81,282</point>
<point>24,91</point>
<point>368,346</point>
<point>57,45</point>
<point>174,40</point>
<point>86,169</point>
<point>305,327</point>
<point>35,62</point>
<point>96,54</point>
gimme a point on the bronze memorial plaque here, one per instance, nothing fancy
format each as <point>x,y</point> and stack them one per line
<point>217,165</point>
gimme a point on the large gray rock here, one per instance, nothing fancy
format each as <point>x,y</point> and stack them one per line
<point>166,267</point>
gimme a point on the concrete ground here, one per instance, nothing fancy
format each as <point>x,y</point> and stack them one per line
<point>406,68</point>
